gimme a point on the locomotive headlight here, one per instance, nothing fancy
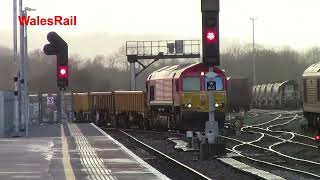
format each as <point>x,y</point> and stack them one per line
<point>189,105</point>
<point>216,105</point>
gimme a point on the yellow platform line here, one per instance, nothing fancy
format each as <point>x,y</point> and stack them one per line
<point>67,168</point>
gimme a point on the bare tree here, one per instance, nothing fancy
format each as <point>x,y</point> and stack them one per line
<point>313,55</point>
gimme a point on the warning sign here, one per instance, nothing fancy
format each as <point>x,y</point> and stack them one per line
<point>50,101</point>
<point>211,85</point>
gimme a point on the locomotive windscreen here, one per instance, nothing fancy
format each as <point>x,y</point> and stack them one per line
<point>191,84</point>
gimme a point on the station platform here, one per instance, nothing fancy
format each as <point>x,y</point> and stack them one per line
<point>70,151</point>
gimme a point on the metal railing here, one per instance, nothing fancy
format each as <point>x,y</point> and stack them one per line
<point>167,47</point>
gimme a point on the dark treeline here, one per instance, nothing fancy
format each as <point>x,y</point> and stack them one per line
<point>105,73</point>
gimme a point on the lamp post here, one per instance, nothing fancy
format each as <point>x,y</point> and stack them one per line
<point>253,52</point>
<point>26,68</point>
<point>22,112</point>
<point>16,72</point>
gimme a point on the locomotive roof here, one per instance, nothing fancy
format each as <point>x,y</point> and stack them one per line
<point>312,70</point>
<point>170,71</point>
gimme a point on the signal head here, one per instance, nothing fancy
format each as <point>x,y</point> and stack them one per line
<point>210,38</point>
<point>317,138</point>
<point>62,72</point>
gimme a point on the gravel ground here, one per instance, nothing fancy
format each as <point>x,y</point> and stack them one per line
<point>274,158</point>
<point>246,136</point>
<point>275,170</point>
<point>266,141</point>
<point>261,118</point>
<point>211,168</point>
<point>299,151</point>
<point>296,126</point>
<point>262,131</point>
<point>278,121</point>
<point>288,148</point>
<point>306,140</point>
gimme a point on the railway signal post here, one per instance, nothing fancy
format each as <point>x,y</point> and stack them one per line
<point>211,57</point>
<point>59,48</point>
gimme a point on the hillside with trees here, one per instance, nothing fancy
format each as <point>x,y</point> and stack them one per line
<point>105,73</point>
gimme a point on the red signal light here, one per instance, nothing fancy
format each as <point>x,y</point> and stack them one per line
<point>210,36</point>
<point>317,138</point>
<point>63,72</point>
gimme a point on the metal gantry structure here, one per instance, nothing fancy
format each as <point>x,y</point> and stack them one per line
<point>137,51</point>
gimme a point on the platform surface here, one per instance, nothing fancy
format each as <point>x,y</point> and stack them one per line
<point>69,152</point>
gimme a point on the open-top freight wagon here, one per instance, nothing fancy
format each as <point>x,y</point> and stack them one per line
<point>118,108</point>
<point>175,98</point>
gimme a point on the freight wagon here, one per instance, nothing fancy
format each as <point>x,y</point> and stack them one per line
<point>276,95</point>
<point>118,108</point>
<point>238,94</point>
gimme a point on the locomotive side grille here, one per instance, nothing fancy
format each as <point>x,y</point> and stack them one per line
<point>311,91</point>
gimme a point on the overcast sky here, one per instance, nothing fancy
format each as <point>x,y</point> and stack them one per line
<point>104,25</point>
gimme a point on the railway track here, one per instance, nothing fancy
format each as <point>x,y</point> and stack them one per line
<point>265,146</point>
<point>195,174</point>
<point>187,162</point>
<point>275,148</point>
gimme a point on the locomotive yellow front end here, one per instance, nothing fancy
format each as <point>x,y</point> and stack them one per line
<point>194,91</point>
<point>178,96</point>
<point>199,101</point>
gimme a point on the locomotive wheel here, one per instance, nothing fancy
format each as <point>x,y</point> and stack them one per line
<point>163,123</point>
<point>146,124</point>
<point>122,121</point>
<point>172,123</point>
<point>178,122</point>
<point>118,121</point>
<point>157,122</point>
<point>114,121</point>
<point>142,123</point>
<point>125,120</point>
<point>152,121</point>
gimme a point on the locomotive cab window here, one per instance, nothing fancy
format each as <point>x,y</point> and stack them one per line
<point>152,93</point>
<point>191,84</point>
<point>219,83</point>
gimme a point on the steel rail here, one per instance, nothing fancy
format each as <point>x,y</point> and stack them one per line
<point>168,158</point>
<point>263,134</point>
